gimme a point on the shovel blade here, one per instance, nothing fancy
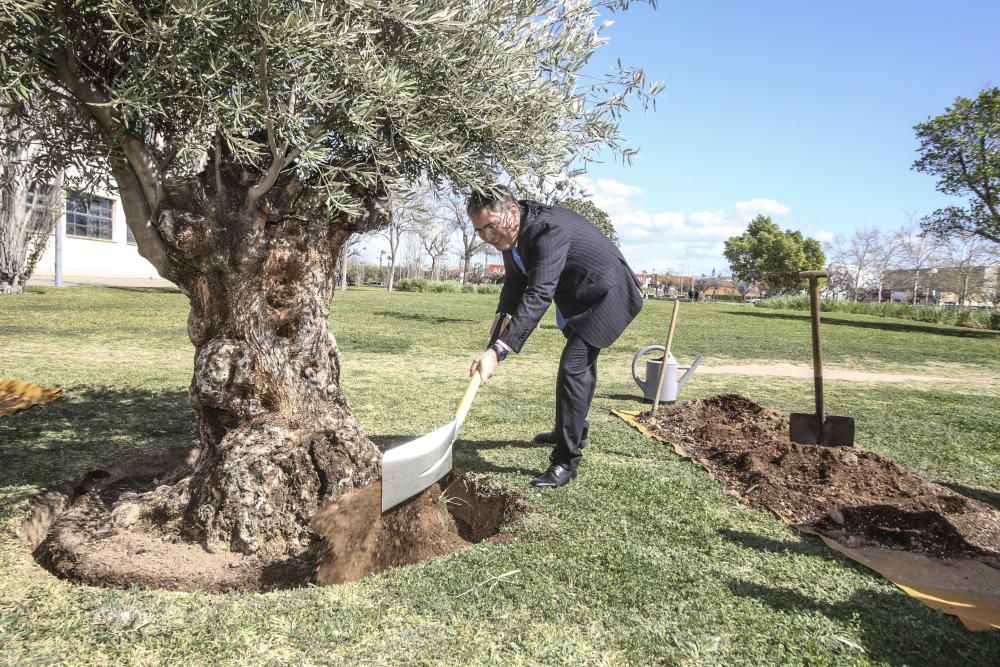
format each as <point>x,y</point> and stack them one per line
<point>411,467</point>
<point>806,429</point>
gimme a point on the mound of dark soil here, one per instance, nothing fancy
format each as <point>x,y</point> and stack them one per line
<point>846,493</point>
<point>85,532</point>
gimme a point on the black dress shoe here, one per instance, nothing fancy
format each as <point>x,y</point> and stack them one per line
<point>557,475</point>
<point>549,438</point>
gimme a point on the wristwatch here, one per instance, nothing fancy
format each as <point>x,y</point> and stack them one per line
<point>500,350</point>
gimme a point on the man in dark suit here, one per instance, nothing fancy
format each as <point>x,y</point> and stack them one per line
<point>553,254</point>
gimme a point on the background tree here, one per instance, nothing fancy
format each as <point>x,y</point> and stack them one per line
<point>247,141</point>
<point>772,258</point>
<point>452,206</point>
<point>855,257</point>
<point>594,215</point>
<point>961,147</point>
<point>28,211</point>
<point>918,251</point>
<point>400,223</point>
<point>967,256</point>
<point>434,239</point>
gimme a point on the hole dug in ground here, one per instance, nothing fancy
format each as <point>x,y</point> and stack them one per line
<point>73,532</point>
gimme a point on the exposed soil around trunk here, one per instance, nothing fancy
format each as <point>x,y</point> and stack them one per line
<point>849,494</point>
<point>83,532</point>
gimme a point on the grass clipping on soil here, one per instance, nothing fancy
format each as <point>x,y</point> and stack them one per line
<point>862,504</point>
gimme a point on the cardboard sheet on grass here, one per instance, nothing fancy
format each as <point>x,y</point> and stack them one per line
<point>17,395</point>
<point>965,588</point>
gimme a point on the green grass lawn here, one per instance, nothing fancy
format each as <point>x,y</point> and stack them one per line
<point>643,561</point>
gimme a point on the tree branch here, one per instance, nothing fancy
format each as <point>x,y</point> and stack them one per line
<point>97,104</point>
<point>138,217</point>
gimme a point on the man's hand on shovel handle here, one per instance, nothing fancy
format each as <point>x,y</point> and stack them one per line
<point>486,363</point>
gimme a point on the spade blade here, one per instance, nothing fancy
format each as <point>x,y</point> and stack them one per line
<point>807,429</point>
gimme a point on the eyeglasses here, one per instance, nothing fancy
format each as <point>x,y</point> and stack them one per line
<point>486,229</point>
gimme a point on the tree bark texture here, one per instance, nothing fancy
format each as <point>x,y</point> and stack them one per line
<point>278,437</point>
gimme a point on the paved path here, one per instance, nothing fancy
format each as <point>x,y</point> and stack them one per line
<point>101,281</point>
<point>798,371</point>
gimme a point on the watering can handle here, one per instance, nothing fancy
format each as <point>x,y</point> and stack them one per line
<point>635,362</point>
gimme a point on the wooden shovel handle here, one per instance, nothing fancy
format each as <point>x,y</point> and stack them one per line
<point>813,277</point>
<point>666,357</point>
<point>470,393</point>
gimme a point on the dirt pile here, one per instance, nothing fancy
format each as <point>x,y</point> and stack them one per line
<point>847,493</point>
<point>83,531</point>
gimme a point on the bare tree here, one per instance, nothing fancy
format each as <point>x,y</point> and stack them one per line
<point>967,255</point>
<point>347,251</point>
<point>430,226</point>
<point>917,252</point>
<point>28,211</point>
<point>453,207</point>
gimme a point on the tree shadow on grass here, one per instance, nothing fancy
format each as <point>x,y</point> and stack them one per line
<point>829,319</point>
<point>90,427</point>
<point>889,621</point>
<point>424,317</point>
<point>893,628</point>
<point>801,547</point>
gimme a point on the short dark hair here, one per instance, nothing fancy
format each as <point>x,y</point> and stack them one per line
<point>492,198</point>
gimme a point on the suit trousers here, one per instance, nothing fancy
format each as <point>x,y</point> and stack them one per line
<point>575,387</point>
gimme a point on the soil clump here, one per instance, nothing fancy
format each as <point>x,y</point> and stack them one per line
<point>848,494</point>
<point>87,531</point>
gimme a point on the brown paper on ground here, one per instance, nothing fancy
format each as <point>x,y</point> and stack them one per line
<point>964,588</point>
<point>17,395</point>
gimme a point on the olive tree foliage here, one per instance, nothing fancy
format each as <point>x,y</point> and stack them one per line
<point>767,256</point>
<point>349,95</point>
<point>961,147</point>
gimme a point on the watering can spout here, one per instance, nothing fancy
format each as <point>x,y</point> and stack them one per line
<point>672,384</point>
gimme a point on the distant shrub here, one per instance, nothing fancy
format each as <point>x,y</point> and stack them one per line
<point>959,317</point>
<point>468,288</point>
<point>488,288</point>
<point>412,285</point>
<point>443,287</point>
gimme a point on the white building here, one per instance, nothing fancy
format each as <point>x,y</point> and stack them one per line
<point>97,245</point>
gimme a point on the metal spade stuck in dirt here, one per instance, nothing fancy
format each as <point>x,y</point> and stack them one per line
<point>411,467</point>
<point>819,428</point>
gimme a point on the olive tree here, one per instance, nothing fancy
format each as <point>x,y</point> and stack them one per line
<point>247,140</point>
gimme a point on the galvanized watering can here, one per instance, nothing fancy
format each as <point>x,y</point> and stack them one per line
<point>672,385</point>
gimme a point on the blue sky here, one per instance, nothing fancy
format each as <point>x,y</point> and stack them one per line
<point>801,110</point>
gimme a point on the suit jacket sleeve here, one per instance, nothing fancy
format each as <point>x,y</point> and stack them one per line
<point>545,254</point>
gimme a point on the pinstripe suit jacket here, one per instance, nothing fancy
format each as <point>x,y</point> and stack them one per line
<point>568,260</point>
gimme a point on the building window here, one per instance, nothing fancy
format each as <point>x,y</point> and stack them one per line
<point>129,236</point>
<point>39,203</point>
<point>89,217</point>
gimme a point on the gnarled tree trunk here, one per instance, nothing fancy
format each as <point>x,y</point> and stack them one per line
<point>278,437</point>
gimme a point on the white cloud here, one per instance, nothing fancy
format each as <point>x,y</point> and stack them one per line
<point>675,240</point>
<point>756,207</point>
<point>825,237</point>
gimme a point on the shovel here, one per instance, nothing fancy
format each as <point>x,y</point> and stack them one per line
<point>819,428</point>
<point>411,467</point>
